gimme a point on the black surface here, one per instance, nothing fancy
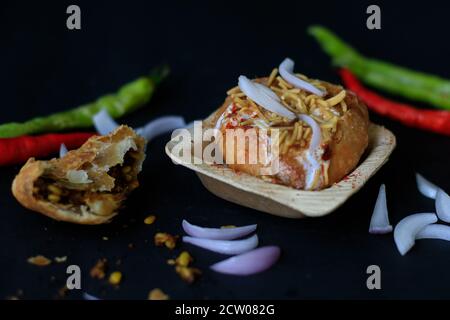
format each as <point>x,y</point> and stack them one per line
<point>46,68</point>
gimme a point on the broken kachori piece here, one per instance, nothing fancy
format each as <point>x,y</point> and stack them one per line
<point>87,185</point>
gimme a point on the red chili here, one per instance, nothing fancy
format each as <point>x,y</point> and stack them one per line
<point>432,120</point>
<point>19,149</point>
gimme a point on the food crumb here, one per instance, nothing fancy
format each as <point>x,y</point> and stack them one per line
<point>188,274</point>
<point>171,262</point>
<point>60,259</point>
<point>39,260</point>
<point>98,271</point>
<point>105,238</point>
<point>150,219</point>
<point>62,292</point>
<point>184,259</point>
<point>162,238</point>
<point>157,294</point>
<point>131,246</point>
<point>230,226</point>
<point>115,278</point>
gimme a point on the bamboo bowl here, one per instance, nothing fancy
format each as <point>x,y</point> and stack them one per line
<point>283,201</point>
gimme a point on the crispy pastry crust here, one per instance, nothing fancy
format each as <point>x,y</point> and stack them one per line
<point>83,171</point>
<point>345,148</point>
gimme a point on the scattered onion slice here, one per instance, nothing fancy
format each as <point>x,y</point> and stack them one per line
<point>286,70</point>
<point>443,205</point>
<point>427,188</point>
<point>230,247</point>
<point>217,233</point>
<point>434,231</point>
<point>62,150</point>
<point>87,296</point>
<point>248,263</point>
<point>263,96</point>
<point>379,224</point>
<point>104,123</point>
<point>160,126</point>
<point>406,230</point>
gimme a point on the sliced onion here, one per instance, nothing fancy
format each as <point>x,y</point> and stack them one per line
<point>87,296</point>
<point>248,263</point>
<point>379,224</point>
<point>406,230</point>
<point>263,96</point>
<point>443,205</point>
<point>217,233</point>
<point>230,247</point>
<point>62,150</point>
<point>427,188</point>
<point>434,231</point>
<point>160,126</point>
<point>104,123</point>
<point>286,70</point>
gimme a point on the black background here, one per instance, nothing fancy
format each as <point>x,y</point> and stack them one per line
<point>47,68</point>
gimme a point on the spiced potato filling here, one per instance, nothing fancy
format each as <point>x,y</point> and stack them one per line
<point>80,199</point>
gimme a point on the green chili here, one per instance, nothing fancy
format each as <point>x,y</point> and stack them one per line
<point>128,98</point>
<point>382,75</point>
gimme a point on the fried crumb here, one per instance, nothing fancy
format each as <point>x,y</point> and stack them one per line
<point>17,296</point>
<point>98,271</point>
<point>62,292</point>
<point>229,226</point>
<point>171,262</point>
<point>157,294</point>
<point>188,274</point>
<point>162,238</point>
<point>184,259</point>
<point>39,260</point>
<point>60,259</point>
<point>131,246</point>
<point>115,278</point>
<point>105,238</point>
<point>150,219</point>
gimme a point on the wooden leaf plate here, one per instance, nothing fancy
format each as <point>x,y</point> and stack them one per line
<point>287,202</point>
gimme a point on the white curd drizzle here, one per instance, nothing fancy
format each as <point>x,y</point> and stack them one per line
<point>313,154</point>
